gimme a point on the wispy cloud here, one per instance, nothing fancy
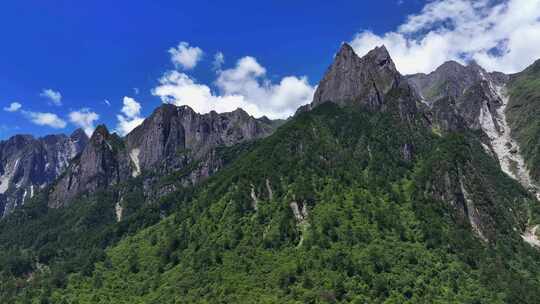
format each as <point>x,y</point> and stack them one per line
<point>13,107</point>
<point>219,60</point>
<point>500,35</point>
<point>53,96</point>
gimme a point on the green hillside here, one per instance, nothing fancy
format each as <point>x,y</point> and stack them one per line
<point>523,112</point>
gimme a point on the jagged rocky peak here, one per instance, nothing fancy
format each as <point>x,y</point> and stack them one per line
<point>353,80</point>
<point>452,79</point>
<point>79,138</point>
<point>461,96</point>
<point>28,164</point>
<point>100,164</point>
<point>173,134</point>
<point>101,133</point>
<point>170,139</point>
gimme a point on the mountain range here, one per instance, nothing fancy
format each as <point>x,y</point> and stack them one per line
<point>386,188</point>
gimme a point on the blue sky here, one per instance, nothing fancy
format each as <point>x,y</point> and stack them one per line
<point>90,51</point>
<point>60,60</point>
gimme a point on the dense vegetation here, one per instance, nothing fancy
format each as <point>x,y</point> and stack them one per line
<point>328,209</point>
<point>523,112</point>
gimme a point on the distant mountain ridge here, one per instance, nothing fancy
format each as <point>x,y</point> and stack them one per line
<point>453,97</point>
<point>28,164</point>
<point>170,139</point>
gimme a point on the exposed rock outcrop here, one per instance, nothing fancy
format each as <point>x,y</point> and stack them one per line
<point>170,140</point>
<point>173,136</point>
<point>456,94</point>
<point>353,80</point>
<point>102,163</point>
<point>28,164</point>
<point>371,82</point>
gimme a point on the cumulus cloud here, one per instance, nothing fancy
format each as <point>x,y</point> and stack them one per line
<point>13,107</point>
<point>53,96</point>
<point>244,86</point>
<point>45,119</point>
<point>131,107</point>
<point>85,119</point>
<point>130,117</point>
<point>502,35</point>
<point>219,60</point>
<point>185,56</point>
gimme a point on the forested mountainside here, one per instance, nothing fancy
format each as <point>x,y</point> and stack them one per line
<point>385,189</point>
<point>523,111</point>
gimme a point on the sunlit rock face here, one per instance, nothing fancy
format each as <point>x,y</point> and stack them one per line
<point>170,139</point>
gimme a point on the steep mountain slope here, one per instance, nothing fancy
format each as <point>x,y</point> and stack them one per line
<point>370,194</point>
<point>327,210</point>
<point>28,164</point>
<point>351,79</point>
<point>467,97</point>
<point>469,90</point>
<point>171,139</point>
<point>451,79</point>
<point>523,112</point>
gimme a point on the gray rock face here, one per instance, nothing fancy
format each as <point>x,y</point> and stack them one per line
<point>452,79</point>
<point>171,139</point>
<point>371,82</point>
<point>101,163</point>
<point>28,164</point>
<point>354,80</point>
<point>453,97</point>
<point>457,94</point>
<point>172,136</point>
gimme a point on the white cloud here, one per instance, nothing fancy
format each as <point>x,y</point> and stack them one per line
<point>85,119</point>
<point>244,86</point>
<point>13,107</point>
<point>45,119</point>
<point>502,37</point>
<point>54,96</point>
<point>136,91</point>
<point>185,56</point>
<point>219,60</point>
<point>130,117</point>
<point>131,107</point>
<point>107,102</point>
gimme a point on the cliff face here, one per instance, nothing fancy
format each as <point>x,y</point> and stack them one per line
<point>466,91</point>
<point>370,82</point>
<point>354,80</point>
<point>172,136</point>
<point>28,164</point>
<point>101,163</point>
<point>171,139</point>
